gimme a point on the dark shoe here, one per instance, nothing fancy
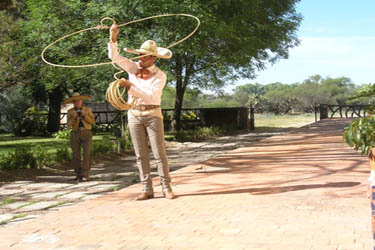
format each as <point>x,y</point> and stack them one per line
<point>77,179</point>
<point>144,196</point>
<point>169,194</point>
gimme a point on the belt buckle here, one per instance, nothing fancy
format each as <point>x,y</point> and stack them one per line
<point>142,108</point>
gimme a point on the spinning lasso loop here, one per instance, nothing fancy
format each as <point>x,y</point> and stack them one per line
<point>113,94</point>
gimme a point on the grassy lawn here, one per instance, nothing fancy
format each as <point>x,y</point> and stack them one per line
<point>262,122</point>
<point>9,142</point>
<point>270,121</point>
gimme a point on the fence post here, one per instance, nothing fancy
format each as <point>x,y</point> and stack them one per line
<point>252,120</point>
<point>323,110</point>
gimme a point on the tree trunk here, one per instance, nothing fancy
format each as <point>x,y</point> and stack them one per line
<point>180,91</point>
<point>55,98</point>
<point>181,85</point>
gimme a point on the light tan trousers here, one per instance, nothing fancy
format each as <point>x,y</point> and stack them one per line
<point>140,127</point>
<point>78,139</point>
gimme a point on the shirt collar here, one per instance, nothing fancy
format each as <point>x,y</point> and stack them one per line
<point>152,68</point>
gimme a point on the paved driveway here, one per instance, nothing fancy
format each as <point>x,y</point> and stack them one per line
<point>301,190</point>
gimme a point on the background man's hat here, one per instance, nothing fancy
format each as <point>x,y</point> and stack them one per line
<point>150,47</point>
<point>76,96</point>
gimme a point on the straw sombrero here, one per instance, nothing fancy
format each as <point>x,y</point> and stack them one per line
<point>150,47</point>
<point>76,96</point>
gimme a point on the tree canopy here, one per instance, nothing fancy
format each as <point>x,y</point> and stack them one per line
<point>236,38</point>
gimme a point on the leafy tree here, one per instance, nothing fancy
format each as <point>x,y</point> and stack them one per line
<point>318,90</point>
<point>46,21</point>
<point>338,89</point>
<point>221,102</point>
<point>9,34</point>
<point>236,38</point>
<point>365,94</point>
<point>168,97</point>
<point>310,93</point>
<point>193,99</point>
<point>280,97</point>
<point>248,94</point>
<point>14,106</point>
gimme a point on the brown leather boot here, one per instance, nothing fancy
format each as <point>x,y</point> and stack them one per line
<point>144,196</point>
<point>169,194</point>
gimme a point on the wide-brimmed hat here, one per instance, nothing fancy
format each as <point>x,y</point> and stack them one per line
<point>150,48</point>
<point>76,96</point>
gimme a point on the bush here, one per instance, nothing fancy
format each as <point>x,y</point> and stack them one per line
<point>63,134</point>
<point>26,157</point>
<point>63,154</point>
<point>200,133</point>
<point>189,116</point>
<point>361,134</point>
<point>125,144</point>
<point>42,157</point>
<point>102,147</point>
<point>22,157</point>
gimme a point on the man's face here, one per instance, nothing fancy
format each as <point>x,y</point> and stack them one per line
<point>78,104</point>
<point>147,61</point>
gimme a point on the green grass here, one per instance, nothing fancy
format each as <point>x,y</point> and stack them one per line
<point>27,204</point>
<point>56,205</point>
<point>282,121</point>
<point>9,143</point>
<point>262,122</point>
<point>17,216</point>
<point>7,201</point>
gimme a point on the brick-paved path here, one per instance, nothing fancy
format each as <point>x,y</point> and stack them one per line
<point>300,190</point>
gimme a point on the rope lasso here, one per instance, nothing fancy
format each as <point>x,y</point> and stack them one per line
<point>115,96</point>
<point>113,93</point>
<point>102,26</point>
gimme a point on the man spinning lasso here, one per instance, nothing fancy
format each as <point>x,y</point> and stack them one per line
<point>145,85</point>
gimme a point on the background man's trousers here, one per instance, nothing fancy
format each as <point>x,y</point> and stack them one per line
<point>81,138</point>
<point>140,127</point>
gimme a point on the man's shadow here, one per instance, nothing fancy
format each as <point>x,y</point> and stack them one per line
<point>276,190</point>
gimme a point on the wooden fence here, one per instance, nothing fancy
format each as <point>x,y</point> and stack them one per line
<point>342,111</point>
<point>236,118</point>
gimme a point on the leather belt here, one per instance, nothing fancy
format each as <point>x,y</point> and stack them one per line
<point>145,107</point>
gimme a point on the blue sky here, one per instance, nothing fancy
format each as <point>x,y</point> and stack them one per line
<point>337,39</point>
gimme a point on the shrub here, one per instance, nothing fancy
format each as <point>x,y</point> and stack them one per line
<point>63,134</point>
<point>63,154</point>
<point>22,157</point>
<point>200,133</point>
<point>5,160</point>
<point>361,134</point>
<point>26,157</point>
<point>189,116</point>
<point>14,107</point>
<point>125,144</point>
<point>102,147</point>
<point>42,157</point>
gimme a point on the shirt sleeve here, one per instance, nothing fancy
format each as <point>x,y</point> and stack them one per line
<point>126,64</point>
<point>71,121</point>
<point>153,94</point>
<point>89,117</point>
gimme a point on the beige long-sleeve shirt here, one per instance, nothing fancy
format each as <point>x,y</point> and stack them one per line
<point>148,91</point>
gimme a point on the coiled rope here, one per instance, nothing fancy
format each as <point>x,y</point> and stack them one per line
<point>113,93</point>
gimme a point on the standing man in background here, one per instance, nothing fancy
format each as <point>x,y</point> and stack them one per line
<point>80,120</point>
